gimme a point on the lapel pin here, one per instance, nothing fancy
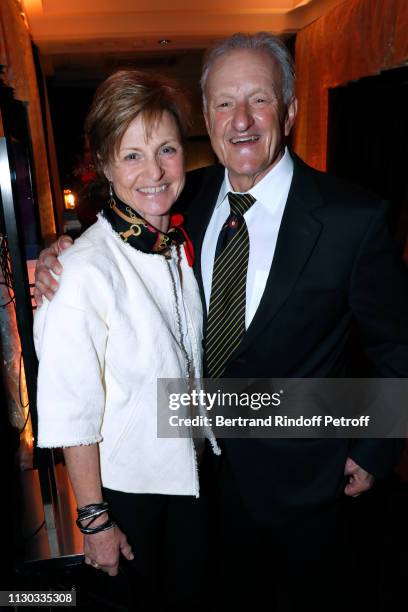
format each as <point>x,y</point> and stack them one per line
<point>233,223</point>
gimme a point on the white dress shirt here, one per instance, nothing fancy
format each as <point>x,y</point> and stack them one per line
<point>263,220</point>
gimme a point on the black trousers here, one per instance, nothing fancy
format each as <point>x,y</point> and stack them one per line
<point>303,564</point>
<point>170,538</point>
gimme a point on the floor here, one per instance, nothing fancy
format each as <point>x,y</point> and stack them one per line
<point>379,521</point>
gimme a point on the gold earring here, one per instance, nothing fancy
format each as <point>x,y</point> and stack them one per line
<point>111,200</point>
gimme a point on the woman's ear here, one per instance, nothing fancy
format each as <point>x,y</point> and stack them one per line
<point>105,169</point>
<point>107,173</point>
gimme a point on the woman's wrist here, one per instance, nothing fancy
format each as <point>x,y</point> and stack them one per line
<point>94,518</point>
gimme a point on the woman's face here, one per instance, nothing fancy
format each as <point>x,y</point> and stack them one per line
<point>148,172</point>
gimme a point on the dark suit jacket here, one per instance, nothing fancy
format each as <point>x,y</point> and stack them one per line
<point>334,266</point>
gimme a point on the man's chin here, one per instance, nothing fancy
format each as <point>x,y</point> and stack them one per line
<point>247,170</point>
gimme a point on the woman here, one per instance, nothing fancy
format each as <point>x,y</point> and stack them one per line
<point>127,312</point>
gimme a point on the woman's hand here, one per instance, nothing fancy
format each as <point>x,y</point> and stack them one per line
<point>102,550</point>
<point>45,283</point>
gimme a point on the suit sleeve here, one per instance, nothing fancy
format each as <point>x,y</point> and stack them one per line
<point>379,302</point>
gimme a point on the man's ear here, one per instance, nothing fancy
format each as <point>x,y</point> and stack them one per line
<point>206,114</point>
<point>206,119</point>
<point>290,118</point>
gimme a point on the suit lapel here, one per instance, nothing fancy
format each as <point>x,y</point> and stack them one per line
<point>297,236</point>
<point>200,212</point>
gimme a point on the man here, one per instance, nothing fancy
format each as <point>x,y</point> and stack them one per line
<point>313,257</point>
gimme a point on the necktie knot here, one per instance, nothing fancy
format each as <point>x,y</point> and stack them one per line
<point>240,202</point>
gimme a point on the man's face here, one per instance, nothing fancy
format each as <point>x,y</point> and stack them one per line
<point>246,117</point>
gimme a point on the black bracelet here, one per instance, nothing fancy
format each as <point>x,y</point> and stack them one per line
<point>90,530</point>
<point>91,512</point>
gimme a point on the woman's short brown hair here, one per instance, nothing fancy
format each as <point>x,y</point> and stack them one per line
<point>120,99</point>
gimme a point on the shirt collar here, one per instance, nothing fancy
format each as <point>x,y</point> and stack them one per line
<point>272,182</point>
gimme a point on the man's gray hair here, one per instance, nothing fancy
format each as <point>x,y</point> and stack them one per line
<point>262,41</point>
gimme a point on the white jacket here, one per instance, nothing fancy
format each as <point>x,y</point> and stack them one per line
<point>115,326</point>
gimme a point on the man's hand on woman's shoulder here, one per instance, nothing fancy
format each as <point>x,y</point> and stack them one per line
<point>45,283</point>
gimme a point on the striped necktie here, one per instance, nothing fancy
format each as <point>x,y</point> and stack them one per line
<point>226,315</point>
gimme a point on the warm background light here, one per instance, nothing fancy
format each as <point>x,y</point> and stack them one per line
<point>33,6</point>
<point>69,199</point>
